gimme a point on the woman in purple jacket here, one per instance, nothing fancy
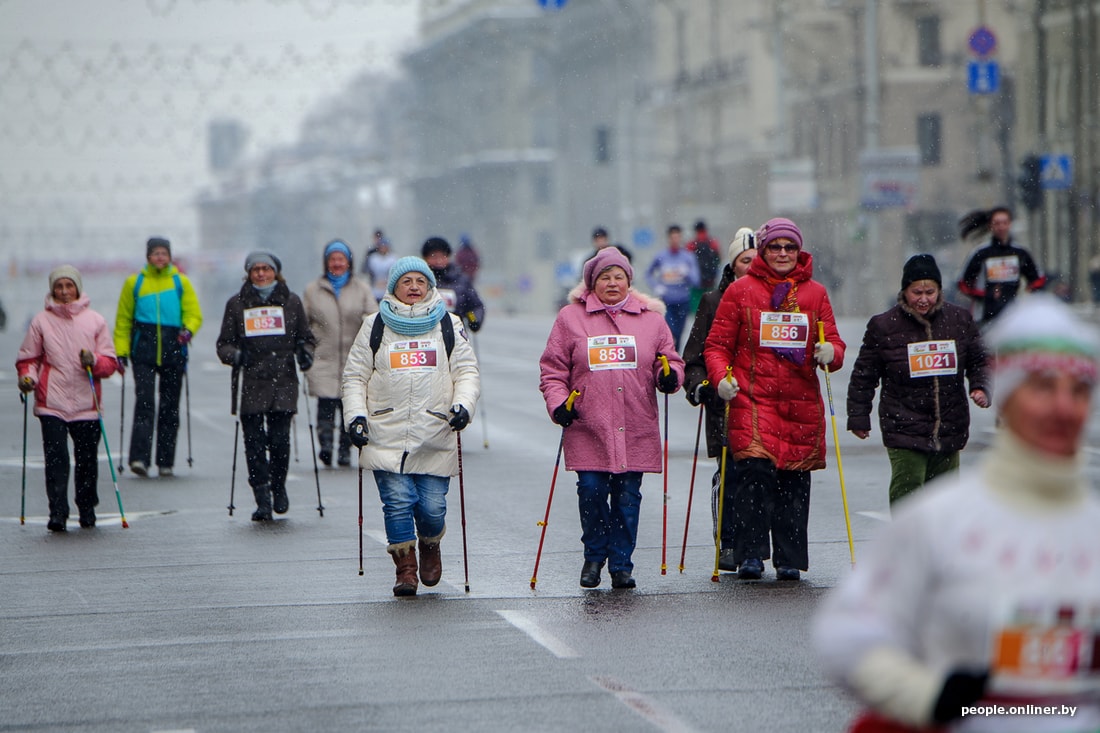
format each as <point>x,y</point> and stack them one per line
<point>606,345</point>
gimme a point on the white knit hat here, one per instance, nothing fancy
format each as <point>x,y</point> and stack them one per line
<point>743,240</point>
<point>67,271</point>
<point>1039,333</point>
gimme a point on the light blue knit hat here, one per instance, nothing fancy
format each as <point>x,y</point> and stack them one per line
<point>406,265</point>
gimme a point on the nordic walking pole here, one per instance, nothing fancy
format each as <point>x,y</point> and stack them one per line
<point>234,381</point>
<point>836,444</point>
<point>23,498</point>
<point>187,398</point>
<point>691,484</point>
<point>722,481</point>
<point>313,450</point>
<point>664,514</point>
<point>121,421</point>
<point>360,513</point>
<point>546,519</point>
<point>110,463</point>
<point>481,407</point>
<point>462,510</point>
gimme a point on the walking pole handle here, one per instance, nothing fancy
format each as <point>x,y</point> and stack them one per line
<point>664,364</point>
<point>572,398</point>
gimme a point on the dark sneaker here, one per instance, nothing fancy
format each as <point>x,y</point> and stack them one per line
<point>726,560</point>
<point>326,457</point>
<point>87,519</point>
<point>785,573</point>
<point>590,574</point>
<point>56,524</point>
<point>261,515</point>
<point>139,468</point>
<point>751,569</point>
<point>622,579</point>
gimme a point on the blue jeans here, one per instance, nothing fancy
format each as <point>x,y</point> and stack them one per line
<point>609,504</point>
<point>413,504</point>
<point>676,316</point>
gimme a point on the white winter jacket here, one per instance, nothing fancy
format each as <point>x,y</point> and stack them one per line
<point>406,392</point>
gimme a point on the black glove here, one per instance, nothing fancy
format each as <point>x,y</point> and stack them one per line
<point>123,364</point>
<point>241,358</point>
<point>667,383</point>
<point>564,416</point>
<point>357,432</point>
<point>703,394</point>
<point>305,359</point>
<point>960,689</point>
<point>461,418</point>
<point>472,322</point>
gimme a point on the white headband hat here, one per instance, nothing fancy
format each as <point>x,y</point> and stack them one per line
<point>743,240</point>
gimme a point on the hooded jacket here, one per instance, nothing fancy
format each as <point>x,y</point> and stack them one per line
<point>148,323</point>
<point>334,322</point>
<point>270,380</point>
<point>778,414</point>
<point>50,355</point>
<point>929,414</point>
<point>617,428</point>
<point>408,409</point>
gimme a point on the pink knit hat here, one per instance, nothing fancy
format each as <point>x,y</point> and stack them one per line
<point>607,257</point>
<point>776,228</point>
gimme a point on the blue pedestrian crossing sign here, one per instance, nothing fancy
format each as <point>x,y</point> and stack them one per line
<point>983,77</point>
<point>1055,172</point>
<point>552,4</point>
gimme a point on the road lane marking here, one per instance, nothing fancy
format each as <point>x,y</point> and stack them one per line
<point>551,643</point>
<point>880,516</point>
<point>643,706</point>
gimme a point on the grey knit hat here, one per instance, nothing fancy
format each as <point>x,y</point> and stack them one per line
<point>262,258</point>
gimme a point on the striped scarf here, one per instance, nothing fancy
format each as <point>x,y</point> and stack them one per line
<point>785,299</point>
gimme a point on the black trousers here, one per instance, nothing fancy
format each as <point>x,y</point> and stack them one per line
<point>267,447</point>
<point>765,498</point>
<point>326,423</point>
<point>167,414</point>
<point>55,446</point>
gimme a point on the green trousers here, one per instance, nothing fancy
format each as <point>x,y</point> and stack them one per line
<point>911,469</point>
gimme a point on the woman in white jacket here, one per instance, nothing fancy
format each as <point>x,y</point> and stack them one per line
<point>408,386</point>
<point>978,607</point>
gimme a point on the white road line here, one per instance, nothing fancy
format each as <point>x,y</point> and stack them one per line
<point>551,643</point>
<point>880,516</point>
<point>643,706</point>
<point>378,535</point>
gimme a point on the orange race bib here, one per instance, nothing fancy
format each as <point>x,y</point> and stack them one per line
<point>784,330</point>
<point>1047,647</point>
<point>612,352</point>
<point>413,356</point>
<point>933,359</point>
<point>1002,269</point>
<point>267,320</point>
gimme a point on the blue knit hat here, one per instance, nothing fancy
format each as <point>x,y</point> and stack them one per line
<point>406,265</point>
<point>337,245</point>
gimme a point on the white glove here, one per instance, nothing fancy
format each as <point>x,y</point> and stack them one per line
<point>728,389</point>
<point>824,353</point>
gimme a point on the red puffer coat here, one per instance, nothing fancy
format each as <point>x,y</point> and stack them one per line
<point>778,413</point>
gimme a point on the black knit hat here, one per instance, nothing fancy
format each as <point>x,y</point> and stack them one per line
<point>155,242</point>
<point>920,267</point>
<point>435,244</point>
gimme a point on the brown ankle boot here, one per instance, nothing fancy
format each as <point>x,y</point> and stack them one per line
<point>431,562</point>
<point>404,557</point>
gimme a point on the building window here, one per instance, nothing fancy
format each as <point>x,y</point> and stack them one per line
<point>542,189</point>
<point>930,138</point>
<point>928,41</point>
<point>603,145</point>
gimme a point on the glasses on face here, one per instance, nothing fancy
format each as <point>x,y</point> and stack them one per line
<point>777,248</point>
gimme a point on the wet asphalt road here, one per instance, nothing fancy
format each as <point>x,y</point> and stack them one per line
<point>194,620</point>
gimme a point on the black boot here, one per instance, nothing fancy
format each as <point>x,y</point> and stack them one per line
<point>590,574</point>
<point>280,501</point>
<point>263,503</point>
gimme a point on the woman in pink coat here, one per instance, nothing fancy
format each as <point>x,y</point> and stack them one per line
<point>605,345</point>
<point>766,329</point>
<point>62,343</point>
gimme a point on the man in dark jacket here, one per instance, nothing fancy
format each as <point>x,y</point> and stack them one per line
<point>454,287</point>
<point>921,350</point>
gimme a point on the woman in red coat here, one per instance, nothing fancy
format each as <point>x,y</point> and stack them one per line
<point>766,330</point>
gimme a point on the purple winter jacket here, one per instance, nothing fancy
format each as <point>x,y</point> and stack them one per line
<point>617,428</point>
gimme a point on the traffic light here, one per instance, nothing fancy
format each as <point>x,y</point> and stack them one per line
<point>1031,186</point>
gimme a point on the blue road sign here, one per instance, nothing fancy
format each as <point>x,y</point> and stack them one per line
<point>1055,172</point>
<point>982,41</point>
<point>552,4</point>
<point>642,237</point>
<point>983,77</point>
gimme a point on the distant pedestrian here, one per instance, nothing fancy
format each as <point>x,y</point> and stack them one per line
<point>377,264</point>
<point>264,330</point>
<point>923,351</point>
<point>600,240</point>
<point>456,290</point>
<point>993,272</point>
<point>467,258</point>
<point>158,315</point>
<point>671,276</point>
<point>62,343</point>
<point>336,304</point>
<point>605,345</point>
<point>741,252</point>
<point>708,257</point>
<point>766,331</point>
<point>410,383</point>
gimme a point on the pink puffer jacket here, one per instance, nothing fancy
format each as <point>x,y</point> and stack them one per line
<point>50,355</point>
<point>617,429</point>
